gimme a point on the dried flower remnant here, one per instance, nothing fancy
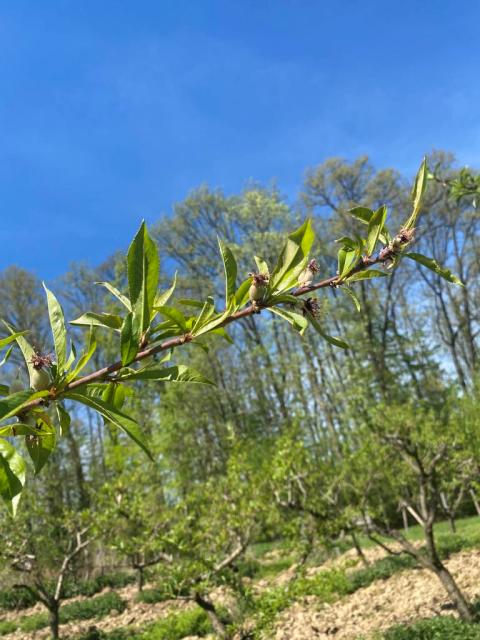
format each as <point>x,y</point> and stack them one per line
<point>305,279</point>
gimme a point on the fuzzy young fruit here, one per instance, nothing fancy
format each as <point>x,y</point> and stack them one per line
<point>39,379</point>
<point>305,279</point>
<point>258,288</point>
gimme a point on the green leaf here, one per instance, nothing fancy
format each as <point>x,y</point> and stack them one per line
<point>143,268</point>
<point>25,347</point>
<point>241,294</point>
<point>12,475</point>
<point>63,418</point>
<point>11,338</point>
<point>179,373</point>
<point>418,190</point>
<point>85,357</point>
<point>59,332</point>
<point>41,445</point>
<point>191,302</point>
<point>262,266</point>
<point>206,313</point>
<point>367,275</point>
<point>285,298</point>
<point>298,321</point>
<point>433,265</point>
<point>107,320</point>
<point>10,405</point>
<point>293,256</point>
<point>375,227</point>
<point>365,215</point>
<point>129,338</point>
<point>336,342</point>
<point>217,320</point>
<point>174,315</point>
<point>125,423</point>
<point>347,260</point>
<point>7,355</point>
<point>113,290</point>
<point>161,299</point>
<point>17,429</point>
<point>222,333</point>
<point>352,295</point>
<point>230,267</point>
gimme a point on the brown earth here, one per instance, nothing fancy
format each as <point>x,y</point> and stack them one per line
<point>403,598</point>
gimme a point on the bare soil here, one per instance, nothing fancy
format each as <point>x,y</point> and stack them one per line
<point>403,598</point>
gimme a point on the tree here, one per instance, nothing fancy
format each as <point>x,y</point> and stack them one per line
<point>45,550</point>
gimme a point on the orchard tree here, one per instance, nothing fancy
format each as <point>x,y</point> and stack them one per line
<point>151,328</point>
<point>45,550</point>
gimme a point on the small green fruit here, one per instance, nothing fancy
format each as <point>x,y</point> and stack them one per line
<point>39,379</point>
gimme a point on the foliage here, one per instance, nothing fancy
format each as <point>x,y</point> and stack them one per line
<point>440,628</point>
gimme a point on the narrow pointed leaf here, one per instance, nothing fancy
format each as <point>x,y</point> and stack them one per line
<point>114,291</point>
<point>298,322</point>
<point>337,342</point>
<point>143,270</point>
<point>107,320</point>
<point>179,373</point>
<point>129,338</point>
<point>367,275</point>
<point>12,475</point>
<point>161,299</point>
<point>230,267</point>
<point>375,227</point>
<point>125,423</point>
<point>59,331</point>
<point>418,190</point>
<point>433,265</point>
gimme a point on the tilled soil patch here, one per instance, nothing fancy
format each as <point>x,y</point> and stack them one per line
<point>403,598</point>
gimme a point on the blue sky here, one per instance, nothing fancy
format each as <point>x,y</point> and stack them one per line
<point>111,111</point>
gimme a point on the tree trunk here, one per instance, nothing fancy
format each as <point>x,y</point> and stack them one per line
<point>208,606</point>
<point>443,574</point>
<point>140,578</point>
<point>54,614</point>
<point>475,501</point>
<point>456,596</point>
<point>359,550</point>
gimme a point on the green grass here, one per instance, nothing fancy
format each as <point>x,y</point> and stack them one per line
<point>438,628</point>
<point>11,599</point>
<point>468,529</point>
<point>192,622</point>
<point>98,607</point>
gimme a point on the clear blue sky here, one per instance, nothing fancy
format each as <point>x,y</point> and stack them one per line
<point>111,110</point>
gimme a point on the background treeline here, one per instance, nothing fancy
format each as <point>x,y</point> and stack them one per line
<point>298,442</point>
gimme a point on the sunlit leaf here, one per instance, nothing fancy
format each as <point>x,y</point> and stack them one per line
<point>230,267</point>
<point>12,475</point>
<point>59,331</point>
<point>433,265</point>
<point>125,423</point>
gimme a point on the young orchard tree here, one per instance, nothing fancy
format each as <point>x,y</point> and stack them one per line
<point>45,551</point>
<point>406,456</point>
<point>151,326</point>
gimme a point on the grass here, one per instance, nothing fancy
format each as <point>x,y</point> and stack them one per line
<point>438,628</point>
<point>11,599</point>
<point>192,622</point>
<point>98,607</point>
<point>468,529</point>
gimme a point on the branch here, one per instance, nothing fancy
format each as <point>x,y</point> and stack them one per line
<point>386,255</point>
<point>68,558</point>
